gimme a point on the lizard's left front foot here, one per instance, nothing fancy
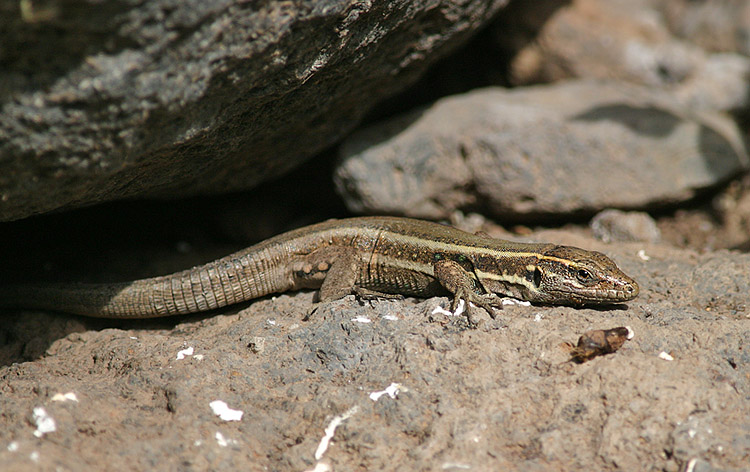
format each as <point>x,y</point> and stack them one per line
<point>460,283</point>
<point>489,302</point>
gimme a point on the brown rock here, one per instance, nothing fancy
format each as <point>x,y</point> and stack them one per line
<point>607,39</point>
<point>502,397</point>
<point>631,41</point>
<point>598,342</point>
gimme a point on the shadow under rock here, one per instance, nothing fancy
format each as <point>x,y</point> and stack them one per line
<point>26,335</point>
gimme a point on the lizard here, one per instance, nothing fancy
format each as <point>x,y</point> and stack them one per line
<point>361,255</point>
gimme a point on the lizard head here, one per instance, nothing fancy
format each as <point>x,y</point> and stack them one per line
<point>572,276</point>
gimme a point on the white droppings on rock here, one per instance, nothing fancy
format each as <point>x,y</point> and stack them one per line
<point>392,391</point>
<point>665,356</point>
<point>222,410</point>
<point>184,353</point>
<point>45,424</point>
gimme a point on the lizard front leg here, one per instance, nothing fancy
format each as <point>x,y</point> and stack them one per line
<point>460,283</point>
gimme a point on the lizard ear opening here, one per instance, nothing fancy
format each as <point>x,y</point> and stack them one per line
<point>537,279</point>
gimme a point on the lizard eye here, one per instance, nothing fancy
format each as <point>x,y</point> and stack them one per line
<point>584,275</point>
<point>537,277</point>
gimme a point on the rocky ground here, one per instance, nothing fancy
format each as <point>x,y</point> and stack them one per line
<point>392,385</point>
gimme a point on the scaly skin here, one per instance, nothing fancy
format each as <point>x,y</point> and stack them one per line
<point>377,254</point>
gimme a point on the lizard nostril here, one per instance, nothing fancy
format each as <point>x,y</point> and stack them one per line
<point>632,289</point>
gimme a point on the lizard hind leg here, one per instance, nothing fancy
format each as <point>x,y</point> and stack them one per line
<point>340,278</point>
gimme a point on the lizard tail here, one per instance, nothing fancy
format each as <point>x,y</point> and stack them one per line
<point>233,279</point>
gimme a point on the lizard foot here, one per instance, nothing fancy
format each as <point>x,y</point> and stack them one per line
<point>367,294</point>
<point>488,302</point>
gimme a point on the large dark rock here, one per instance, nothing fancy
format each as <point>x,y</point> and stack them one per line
<point>103,101</point>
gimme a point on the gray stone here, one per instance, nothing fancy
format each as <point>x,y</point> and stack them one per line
<point>620,226</point>
<point>716,25</point>
<point>547,150</point>
<point>111,100</point>
<point>721,83</point>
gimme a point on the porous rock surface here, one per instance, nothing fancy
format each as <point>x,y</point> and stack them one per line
<point>110,100</point>
<point>394,386</point>
<point>548,150</point>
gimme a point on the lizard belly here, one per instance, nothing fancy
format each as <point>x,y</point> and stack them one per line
<point>388,277</point>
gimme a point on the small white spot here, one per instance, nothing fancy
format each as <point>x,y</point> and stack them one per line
<point>198,357</point>
<point>222,410</point>
<point>13,446</point>
<point>185,352</point>
<point>692,433</point>
<point>390,317</point>
<point>515,301</point>
<point>330,429</point>
<point>642,255</point>
<point>44,422</point>
<point>320,467</point>
<point>392,391</point>
<point>460,308</point>
<point>220,440</point>
<point>271,322</point>
<point>455,465</point>
<point>65,397</point>
<point>538,317</point>
<point>34,456</point>
<point>691,465</point>
<point>198,442</point>
<point>665,356</point>
<point>134,338</point>
<point>441,311</point>
<point>631,333</point>
<point>361,319</point>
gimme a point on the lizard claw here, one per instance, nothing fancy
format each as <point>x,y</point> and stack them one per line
<point>312,311</point>
<point>488,302</point>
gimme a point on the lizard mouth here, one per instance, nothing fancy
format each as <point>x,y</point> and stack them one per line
<point>624,293</point>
